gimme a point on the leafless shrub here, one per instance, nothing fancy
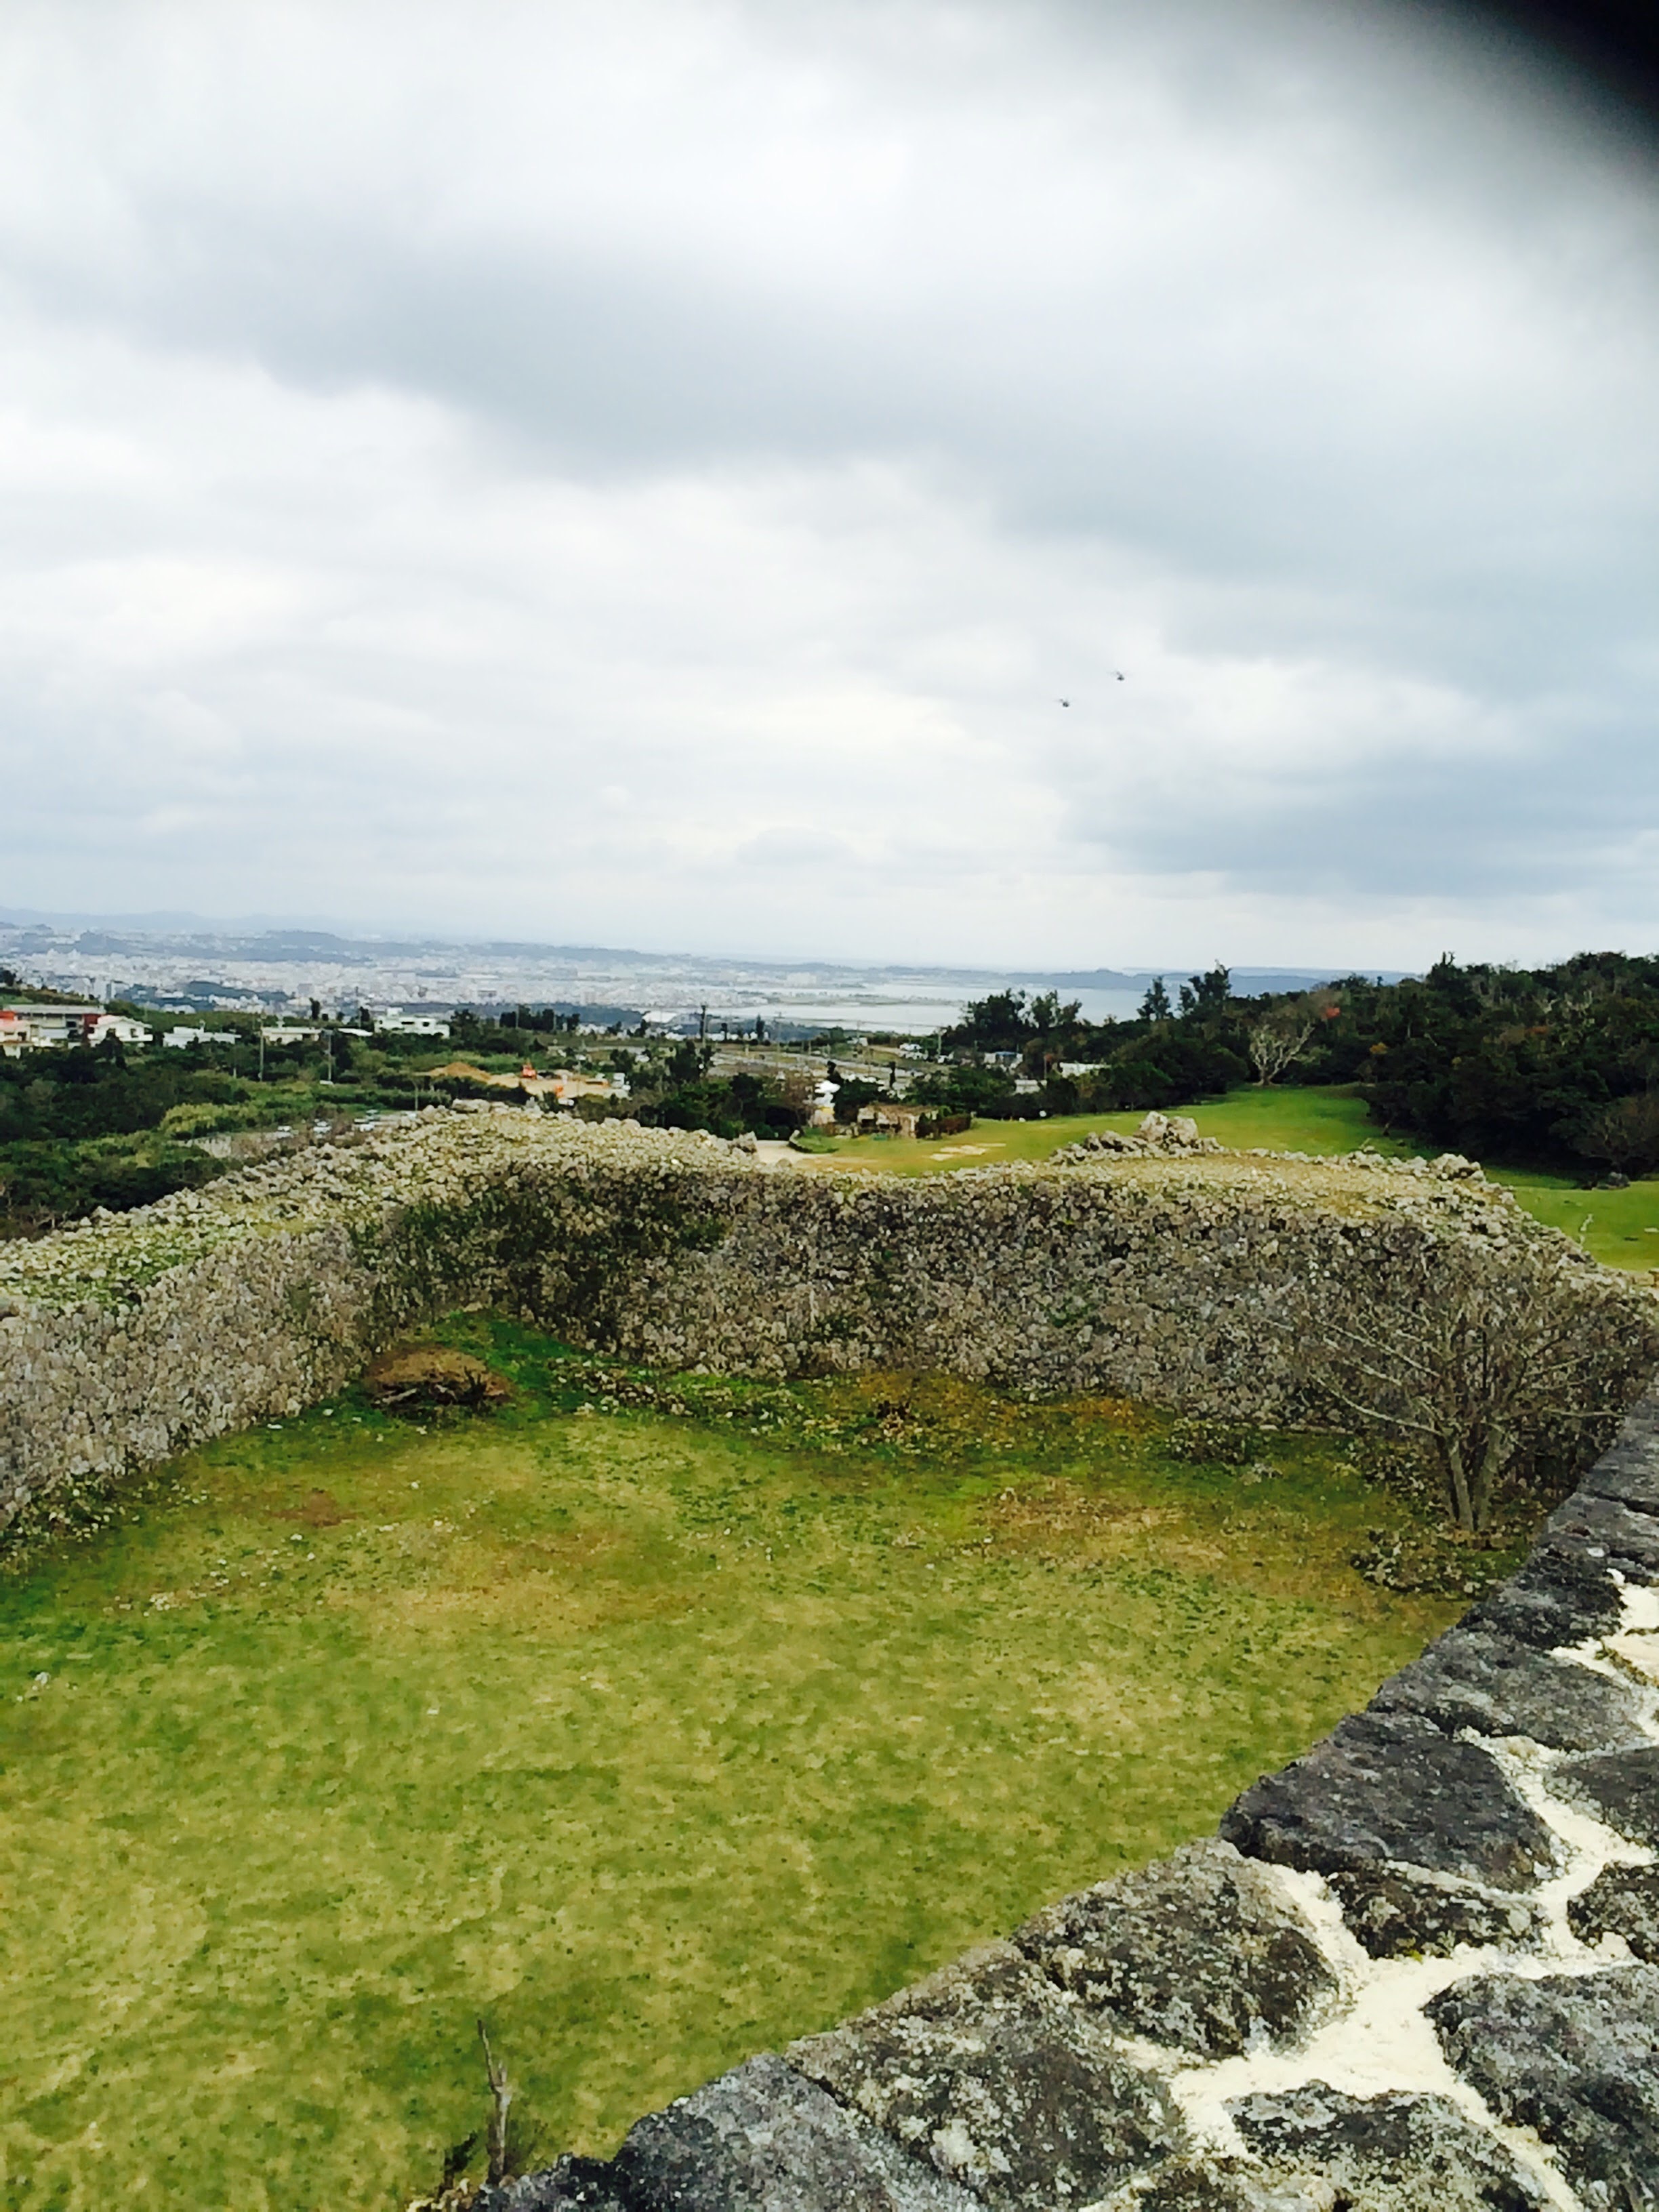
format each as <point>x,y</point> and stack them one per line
<point>1625,1134</point>
<point>1487,1356</point>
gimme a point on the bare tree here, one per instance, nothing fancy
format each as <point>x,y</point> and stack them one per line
<point>1625,1134</point>
<point>1277,1042</point>
<point>1482,1355</point>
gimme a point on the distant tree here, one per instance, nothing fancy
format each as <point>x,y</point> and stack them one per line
<point>852,1094</point>
<point>1625,1134</point>
<point>997,1022</point>
<point>1048,1017</point>
<point>1155,1006</point>
<point>1277,1042</point>
<point>1170,1064</point>
<point>1207,993</point>
<point>962,1090</point>
<point>797,1091</point>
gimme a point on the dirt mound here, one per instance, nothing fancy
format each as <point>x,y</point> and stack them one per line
<point>432,1375</point>
<point>463,1071</point>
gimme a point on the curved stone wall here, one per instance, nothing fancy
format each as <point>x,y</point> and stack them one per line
<point>1419,1968</point>
<point>132,1337</point>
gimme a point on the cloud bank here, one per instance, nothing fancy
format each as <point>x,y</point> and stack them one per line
<point>648,471</point>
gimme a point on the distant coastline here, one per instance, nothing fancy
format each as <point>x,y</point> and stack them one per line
<point>191,961</point>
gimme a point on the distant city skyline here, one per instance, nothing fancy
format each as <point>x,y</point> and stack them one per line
<point>281,970</point>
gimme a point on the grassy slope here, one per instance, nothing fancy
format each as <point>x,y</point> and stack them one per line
<point>656,1741</point>
<point>1619,1227</point>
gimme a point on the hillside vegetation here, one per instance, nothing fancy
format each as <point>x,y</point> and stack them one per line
<point>1554,1068</point>
<point>1549,1076</point>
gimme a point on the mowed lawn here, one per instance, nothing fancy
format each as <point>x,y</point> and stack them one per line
<point>1619,1227</point>
<point>655,1740</point>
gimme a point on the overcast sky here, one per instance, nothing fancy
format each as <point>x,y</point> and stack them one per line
<point>646,473</point>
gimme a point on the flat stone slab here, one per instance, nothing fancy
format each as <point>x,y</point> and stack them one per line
<point>1632,1476</point>
<point>1396,1914</point>
<point>1622,1900</point>
<point>1201,1951</point>
<point>1387,1787</point>
<point>1395,2152</point>
<point>1557,1596</point>
<point>759,2139</point>
<point>1001,2083</point>
<point>1608,1528</point>
<point>1621,1789</point>
<point>1629,1469</point>
<point>1577,2058</point>
<point>1472,1679</point>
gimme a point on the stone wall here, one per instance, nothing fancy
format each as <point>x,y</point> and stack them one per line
<point>1416,1972</point>
<point>1164,1277</point>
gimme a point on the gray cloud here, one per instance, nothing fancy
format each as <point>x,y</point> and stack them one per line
<point>648,471</point>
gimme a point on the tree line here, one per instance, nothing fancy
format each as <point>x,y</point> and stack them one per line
<point>1556,1066</point>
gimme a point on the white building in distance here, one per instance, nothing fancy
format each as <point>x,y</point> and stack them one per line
<point>183,1035</point>
<point>39,1026</point>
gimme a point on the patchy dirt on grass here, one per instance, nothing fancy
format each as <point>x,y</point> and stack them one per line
<point>320,1510</point>
<point>425,1375</point>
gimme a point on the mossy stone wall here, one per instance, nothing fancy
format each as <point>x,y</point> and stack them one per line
<point>134,1337</point>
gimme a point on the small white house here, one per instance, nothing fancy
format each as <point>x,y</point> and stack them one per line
<point>396,1021</point>
<point>43,1024</point>
<point>184,1035</point>
<point>122,1027</point>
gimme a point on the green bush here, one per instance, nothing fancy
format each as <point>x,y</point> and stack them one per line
<point>200,1120</point>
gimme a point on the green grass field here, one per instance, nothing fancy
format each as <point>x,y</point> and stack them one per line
<point>656,1739</point>
<point>1619,1227</point>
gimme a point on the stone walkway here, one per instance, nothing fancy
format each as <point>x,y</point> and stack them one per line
<point>1417,1970</point>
